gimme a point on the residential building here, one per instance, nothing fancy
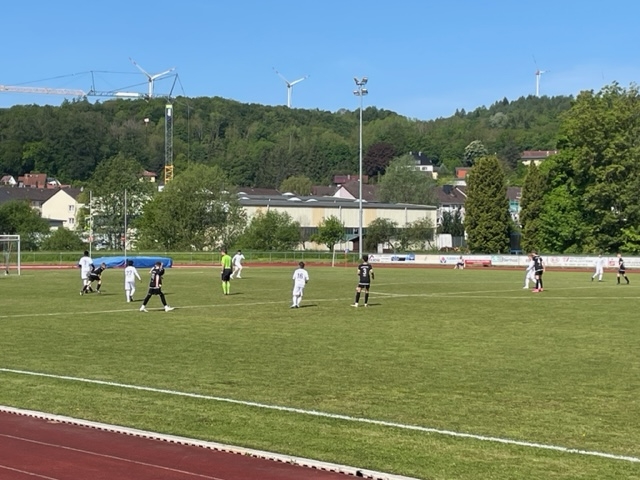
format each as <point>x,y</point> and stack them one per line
<point>58,205</point>
<point>424,164</point>
<point>451,199</point>
<point>536,156</point>
<point>8,180</point>
<point>33,180</point>
<point>514,194</point>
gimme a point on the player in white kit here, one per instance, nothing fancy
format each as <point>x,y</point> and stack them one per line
<point>599,266</point>
<point>530,275</point>
<point>130,275</point>
<point>300,279</point>
<point>86,266</point>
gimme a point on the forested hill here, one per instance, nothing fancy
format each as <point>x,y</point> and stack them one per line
<point>259,145</point>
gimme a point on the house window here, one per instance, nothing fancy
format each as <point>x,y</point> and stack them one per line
<point>71,221</point>
<point>72,208</point>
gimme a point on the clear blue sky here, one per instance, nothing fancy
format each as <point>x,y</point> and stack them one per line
<point>424,58</point>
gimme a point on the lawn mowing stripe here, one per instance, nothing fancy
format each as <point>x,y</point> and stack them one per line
<point>334,416</point>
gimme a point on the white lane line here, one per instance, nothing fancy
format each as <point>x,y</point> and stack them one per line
<point>335,416</point>
<point>23,472</point>
<point>110,457</point>
<point>220,447</point>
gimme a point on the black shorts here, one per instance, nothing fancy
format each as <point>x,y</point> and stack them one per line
<point>155,291</point>
<point>622,272</point>
<point>226,274</point>
<point>364,285</point>
<point>93,277</point>
<point>539,273</point>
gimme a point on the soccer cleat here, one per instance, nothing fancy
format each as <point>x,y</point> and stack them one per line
<point>535,290</point>
<point>167,308</point>
<point>292,306</point>
<point>143,309</point>
<point>354,305</point>
<point>366,305</point>
<point>525,288</point>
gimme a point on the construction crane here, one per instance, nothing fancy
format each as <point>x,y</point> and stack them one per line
<point>43,90</point>
<point>168,112</point>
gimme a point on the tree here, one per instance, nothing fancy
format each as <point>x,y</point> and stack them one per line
<point>474,151</point>
<point>196,210</point>
<point>597,166</point>
<point>300,185</point>
<point>416,234</point>
<point>273,231</point>
<point>532,204</point>
<point>403,184</point>
<point>63,240</point>
<point>377,158</point>
<point>487,219</point>
<point>452,224</point>
<point>380,231</point>
<point>115,182</point>
<point>330,232</point>
<point>20,219</point>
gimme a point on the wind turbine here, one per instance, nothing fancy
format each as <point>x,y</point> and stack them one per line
<point>538,75</point>
<point>151,78</point>
<point>289,85</point>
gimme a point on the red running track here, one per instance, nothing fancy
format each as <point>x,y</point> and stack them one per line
<point>33,447</point>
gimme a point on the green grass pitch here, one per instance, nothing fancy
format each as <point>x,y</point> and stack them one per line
<point>459,351</point>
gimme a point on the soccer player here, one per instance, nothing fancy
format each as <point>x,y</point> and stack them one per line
<point>622,270</point>
<point>300,279</point>
<point>130,275</point>
<point>96,276</point>
<point>529,275</point>
<point>86,265</point>
<point>538,270</point>
<point>459,264</point>
<point>225,263</point>
<point>236,261</point>
<point>365,275</point>
<point>599,265</point>
<point>155,288</point>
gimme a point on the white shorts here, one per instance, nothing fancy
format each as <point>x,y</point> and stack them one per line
<point>298,291</point>
<point>129,286</point>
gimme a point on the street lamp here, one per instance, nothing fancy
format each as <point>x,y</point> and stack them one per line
<point>360,91</point>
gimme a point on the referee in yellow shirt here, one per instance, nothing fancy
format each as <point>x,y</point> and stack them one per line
<point>225,262</point>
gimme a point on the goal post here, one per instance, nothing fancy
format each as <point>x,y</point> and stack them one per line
<point>10,254</point>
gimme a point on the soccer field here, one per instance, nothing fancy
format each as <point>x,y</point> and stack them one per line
<point>447,374</point>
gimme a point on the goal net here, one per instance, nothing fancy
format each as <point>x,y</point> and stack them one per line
<point>10,254</point>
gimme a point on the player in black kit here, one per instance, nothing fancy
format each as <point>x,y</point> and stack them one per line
<point>538,269</point>
<point>96,276</point>
<point>155,288</point>
<point>622,270</point>
<point>365,275</point>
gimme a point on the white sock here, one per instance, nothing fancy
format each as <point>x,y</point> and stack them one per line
<point>294,300</point>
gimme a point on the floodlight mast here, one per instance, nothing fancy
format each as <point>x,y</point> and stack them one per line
<point>289,85</point>
<point>360,91</point>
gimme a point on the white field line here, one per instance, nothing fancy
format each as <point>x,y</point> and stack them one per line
<point>347,418</point>
<point>160,309</point>
<point>468,294</point>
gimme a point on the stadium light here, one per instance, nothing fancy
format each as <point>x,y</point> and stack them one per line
<point>360,91</point>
